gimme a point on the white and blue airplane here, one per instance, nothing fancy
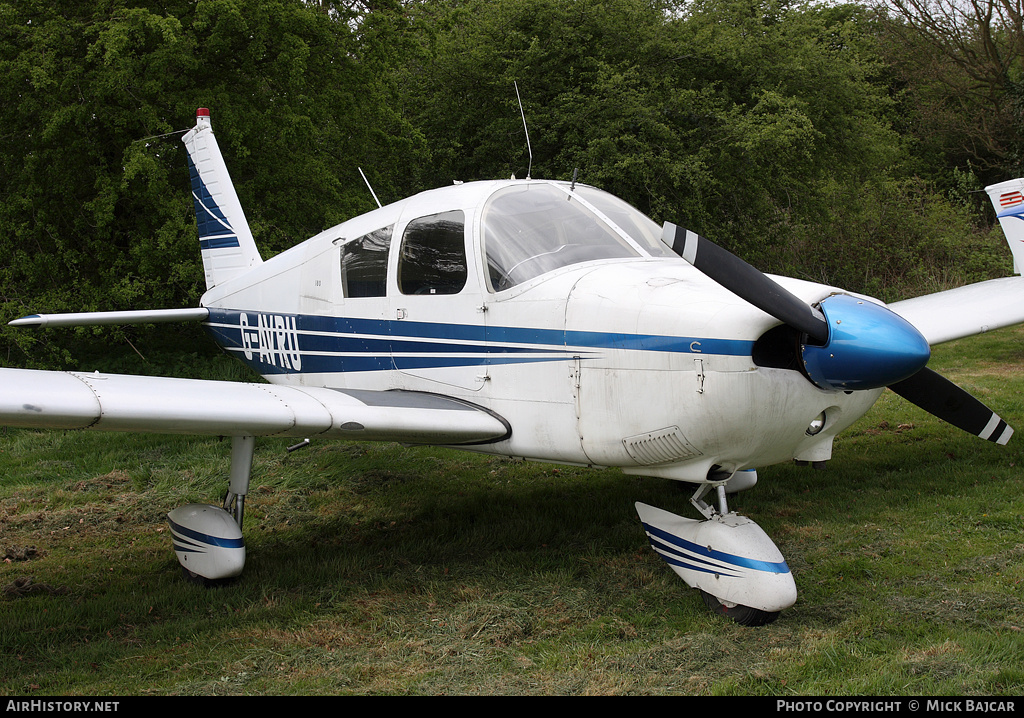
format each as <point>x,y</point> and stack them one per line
<point>537,319</point>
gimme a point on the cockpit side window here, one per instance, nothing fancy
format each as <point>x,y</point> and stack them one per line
<point>364,264</point>
<point>433,255</point>
<point>533,229</point>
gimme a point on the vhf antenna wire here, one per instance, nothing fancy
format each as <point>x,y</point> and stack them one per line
<point>369,187</point>
<point>529,149</point>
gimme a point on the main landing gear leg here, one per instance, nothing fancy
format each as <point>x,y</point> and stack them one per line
<point>243,448</point>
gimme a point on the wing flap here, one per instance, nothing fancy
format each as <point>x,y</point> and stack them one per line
<point>113,402</point>
<point>965,311</point>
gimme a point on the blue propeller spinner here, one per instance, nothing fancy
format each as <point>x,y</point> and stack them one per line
<point>868,347</point>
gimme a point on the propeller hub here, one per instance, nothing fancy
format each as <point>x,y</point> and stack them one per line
<point>868,347</point>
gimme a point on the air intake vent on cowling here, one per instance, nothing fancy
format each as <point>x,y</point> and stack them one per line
<point>660,447</point>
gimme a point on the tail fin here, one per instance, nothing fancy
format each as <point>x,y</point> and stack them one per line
<point>226,242</point>
<point>1008,201</point>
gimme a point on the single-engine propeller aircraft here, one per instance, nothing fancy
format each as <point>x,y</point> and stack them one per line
<point>538,319</point>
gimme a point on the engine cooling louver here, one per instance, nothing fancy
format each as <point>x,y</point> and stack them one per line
<point>659,447</point>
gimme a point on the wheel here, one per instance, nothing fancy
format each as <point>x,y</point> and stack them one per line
<point>743,615</point>
<point>198,580</point>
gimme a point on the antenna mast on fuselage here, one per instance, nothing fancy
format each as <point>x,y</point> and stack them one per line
<point>369,187</point>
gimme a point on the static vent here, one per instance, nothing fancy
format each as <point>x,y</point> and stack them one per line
<point>660,447</point>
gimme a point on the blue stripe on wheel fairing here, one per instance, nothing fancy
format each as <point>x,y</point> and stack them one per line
<point>207,539</point>
<point>673,557</point>
<point>703,552</point>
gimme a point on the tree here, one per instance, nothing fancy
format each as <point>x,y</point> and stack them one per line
<point>94,207</point>
<point>962,65</point>
<point>767,125</point>
<point>735,117</point>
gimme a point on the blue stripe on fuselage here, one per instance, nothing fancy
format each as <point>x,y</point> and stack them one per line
<point>281,343</point>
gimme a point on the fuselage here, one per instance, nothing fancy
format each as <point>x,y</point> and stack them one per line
<point>551,305</point>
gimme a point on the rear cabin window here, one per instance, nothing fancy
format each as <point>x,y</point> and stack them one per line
<point>364,264</point>
<point>433,255</point>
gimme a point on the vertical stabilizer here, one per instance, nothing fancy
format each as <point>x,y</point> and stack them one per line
<point>1008,201</point>
<point>226,242</point>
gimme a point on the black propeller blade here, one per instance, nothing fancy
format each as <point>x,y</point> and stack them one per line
<point>925,388</point>
<point>745,281</point>
<point>944,399</point>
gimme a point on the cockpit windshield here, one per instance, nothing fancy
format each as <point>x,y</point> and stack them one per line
<point>533,229</point>
<point>641,228</point>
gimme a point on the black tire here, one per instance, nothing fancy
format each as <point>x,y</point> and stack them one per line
<point>198,580</point>
<point>743,615</point>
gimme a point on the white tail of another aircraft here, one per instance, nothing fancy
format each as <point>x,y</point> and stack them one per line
<point>1008,201</point>
<point>226,242</point>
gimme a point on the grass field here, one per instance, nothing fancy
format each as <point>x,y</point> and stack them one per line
<point>378,569</point>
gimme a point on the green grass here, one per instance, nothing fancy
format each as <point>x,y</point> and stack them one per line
<point>377,569</point>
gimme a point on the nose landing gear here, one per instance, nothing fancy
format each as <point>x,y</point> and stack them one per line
<point>727,557</point>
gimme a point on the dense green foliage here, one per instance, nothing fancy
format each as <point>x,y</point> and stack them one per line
<point>781,129</point>
<point>95,211</point>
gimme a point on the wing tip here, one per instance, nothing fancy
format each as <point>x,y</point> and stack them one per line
<point>32,320</point>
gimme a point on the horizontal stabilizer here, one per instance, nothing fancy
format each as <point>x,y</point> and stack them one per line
<point>163,405</point>
<point>86,319</point>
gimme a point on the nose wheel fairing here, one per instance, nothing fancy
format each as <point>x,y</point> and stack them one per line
<point>727,556</point>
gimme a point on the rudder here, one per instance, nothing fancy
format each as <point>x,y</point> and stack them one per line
<point>1008,201</point>
<point>225,240</point>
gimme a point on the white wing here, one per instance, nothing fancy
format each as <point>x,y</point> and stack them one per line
<point>965,311</point>
<point>111,402</point>
<point>984,306</point>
